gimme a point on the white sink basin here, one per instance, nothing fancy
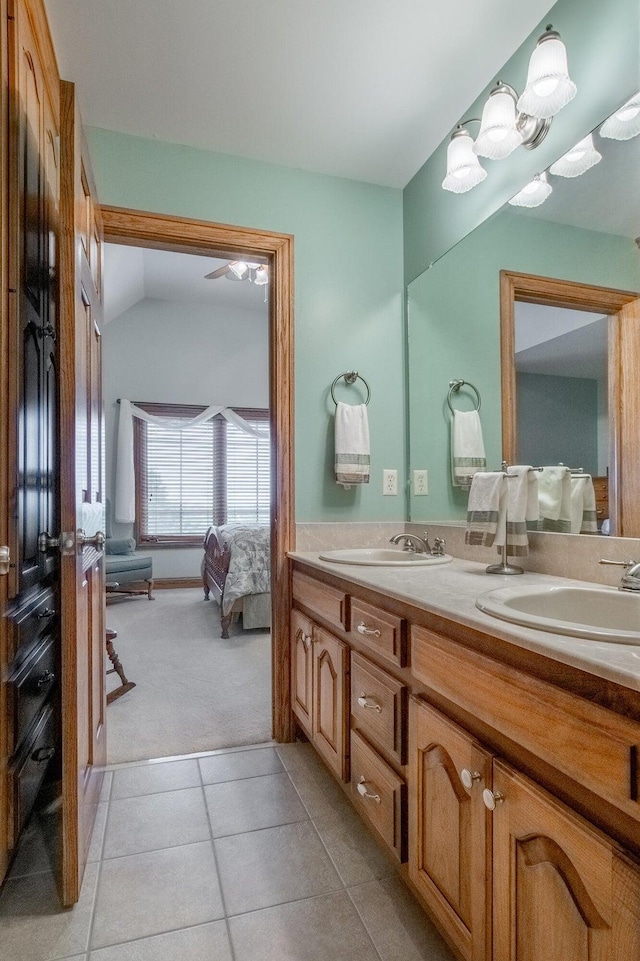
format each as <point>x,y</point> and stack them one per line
<point>383,557</point>
<point>598,613</point>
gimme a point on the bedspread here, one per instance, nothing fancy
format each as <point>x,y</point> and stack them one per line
<point>249,564</point>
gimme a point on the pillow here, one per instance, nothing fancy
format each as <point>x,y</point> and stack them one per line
<point>120,545</point>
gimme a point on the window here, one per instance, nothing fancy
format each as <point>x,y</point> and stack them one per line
<point>213,473</point>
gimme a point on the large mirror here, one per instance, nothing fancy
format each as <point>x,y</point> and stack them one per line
<point>535,309</point>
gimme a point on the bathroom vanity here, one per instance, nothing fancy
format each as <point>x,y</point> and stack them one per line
<point>498,763</point>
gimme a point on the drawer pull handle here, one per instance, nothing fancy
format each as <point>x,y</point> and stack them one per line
<point>368,702</point>
<point>492,798</point>
<point>43,754</point>
<point>362,791</point>
<point>363,629</point>
<point>47,678</point>
<point>47,612</point>
<point>468,777</point>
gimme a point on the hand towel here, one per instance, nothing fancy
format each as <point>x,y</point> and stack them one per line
<point>521,506</point>
<point>467,447</point>
<point>583,505</point>
<point>486,503</point>
<point>352,444</point>
<point>554,493</point>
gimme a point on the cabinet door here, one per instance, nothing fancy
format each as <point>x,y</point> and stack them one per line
<point>330,714</point>
<point>557,885</point>
<point>301,669</point>
<point>449,827</point>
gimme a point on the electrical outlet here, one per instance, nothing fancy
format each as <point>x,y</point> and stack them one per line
<point>389,481</point>
<point>420,482</point>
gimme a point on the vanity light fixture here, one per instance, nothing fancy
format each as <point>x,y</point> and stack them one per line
<point>239,268</point>
<point>549,87</point>
<point>578,160</point>
<point>261,276</point>
<point>625,122</point>
<point>464,170</point>
<point>508,121</point>
<point>534,194</point>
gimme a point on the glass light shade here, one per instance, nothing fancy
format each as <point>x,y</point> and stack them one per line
<point>463,167</point>
<point>498,136</point>
<point>549,87</point>
<point>625,122</point>
<point>239,268</point>
<point>577,160</point>
<point>534,194</point>
<point>261,276</point>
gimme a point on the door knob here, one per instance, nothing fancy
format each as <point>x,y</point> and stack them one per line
<point>65,543</point>
<point>97,540</point>
<point>5,559</point>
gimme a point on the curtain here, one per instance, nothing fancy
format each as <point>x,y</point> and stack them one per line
<point>125,500</point>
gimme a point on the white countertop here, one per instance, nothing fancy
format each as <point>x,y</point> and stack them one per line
<point>450,590</point>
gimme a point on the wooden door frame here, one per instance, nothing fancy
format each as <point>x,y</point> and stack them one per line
<point>145,229</point>
<point>551,292</point>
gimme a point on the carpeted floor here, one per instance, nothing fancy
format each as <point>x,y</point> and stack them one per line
<point>195,691</point>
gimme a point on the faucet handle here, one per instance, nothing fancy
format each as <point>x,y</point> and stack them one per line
<point>438,546</point>
<point>605,560</point>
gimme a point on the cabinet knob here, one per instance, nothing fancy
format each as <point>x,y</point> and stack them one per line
<point>492,798</point>
<point>363,629</point>
<point>43,754</point>
<point>362,791</point>
<point>368,702</point>
<point>468,777</point>
<point>46,678</point>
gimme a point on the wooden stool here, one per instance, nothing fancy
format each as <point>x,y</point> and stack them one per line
<point>116,669</point>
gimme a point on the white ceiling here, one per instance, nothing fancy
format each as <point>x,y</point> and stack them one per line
<point>364,89</point>
<point>132,274</point>
<point>560,342</point>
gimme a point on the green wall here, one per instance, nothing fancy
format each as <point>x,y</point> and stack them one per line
<point>454,330</point>
<point>603,44</point>
<point>557,421</point>
<point>349,290</point>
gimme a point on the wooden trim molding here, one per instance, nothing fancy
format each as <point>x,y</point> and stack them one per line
<point>555,293</point>
<point>141,228</point>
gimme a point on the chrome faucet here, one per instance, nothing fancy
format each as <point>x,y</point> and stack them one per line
<point>413,543</point>
<point>631,578</point>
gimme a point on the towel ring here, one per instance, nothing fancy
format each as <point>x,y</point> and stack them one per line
<point>455,385</point>
<point>351,376</point>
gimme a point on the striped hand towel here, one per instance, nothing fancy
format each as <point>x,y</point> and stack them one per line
<point>487,501</point>
<point>583,505</point>
<point>352,445</point>
<point>554,486</point>
<point>521,506</point>
<point>467,447</point>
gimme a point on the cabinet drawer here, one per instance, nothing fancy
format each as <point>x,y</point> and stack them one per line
<point>30,623</point>
<point>384,633</point>
<point>27,773</point>
<point>29,688</point>
<point>379,707</point>
<point>321,599</point>
<point>590,744</point>
<point>379,794</point>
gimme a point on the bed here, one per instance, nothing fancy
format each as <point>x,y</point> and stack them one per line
<point>236,569</point>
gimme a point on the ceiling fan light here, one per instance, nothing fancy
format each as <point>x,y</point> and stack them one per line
<point>577,160</point>
<point>261,276</point>
<point>625,122</point>
<point>239,268</point>
<point>534,194</point>
<point>463,167</point>
<point>549,87</point>
<point>498,136</point>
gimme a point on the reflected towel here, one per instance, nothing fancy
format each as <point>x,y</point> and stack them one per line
<point>583,505</point>
<point>467,447</point>
<point>352,445</point>
<point>487,500</point>
<point>554,495</point>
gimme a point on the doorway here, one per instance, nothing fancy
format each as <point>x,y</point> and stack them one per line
<point>137,228</point>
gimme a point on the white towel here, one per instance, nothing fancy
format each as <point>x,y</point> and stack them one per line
<point>521,506</point>
<point>467,447</point>
<point>487,499</point>
<point>352,445</point>
<point>583,505</point>
<point>554,493</point>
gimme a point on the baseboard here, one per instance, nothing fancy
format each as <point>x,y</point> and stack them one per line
<point>166,583</point>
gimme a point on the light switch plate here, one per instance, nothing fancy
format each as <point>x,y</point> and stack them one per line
<point>420,483</point>
<point>390,482</point>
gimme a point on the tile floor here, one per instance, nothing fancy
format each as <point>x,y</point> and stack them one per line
<point>246,855</point>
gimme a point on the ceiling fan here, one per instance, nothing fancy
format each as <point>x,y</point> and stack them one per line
<point>257,274</point>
